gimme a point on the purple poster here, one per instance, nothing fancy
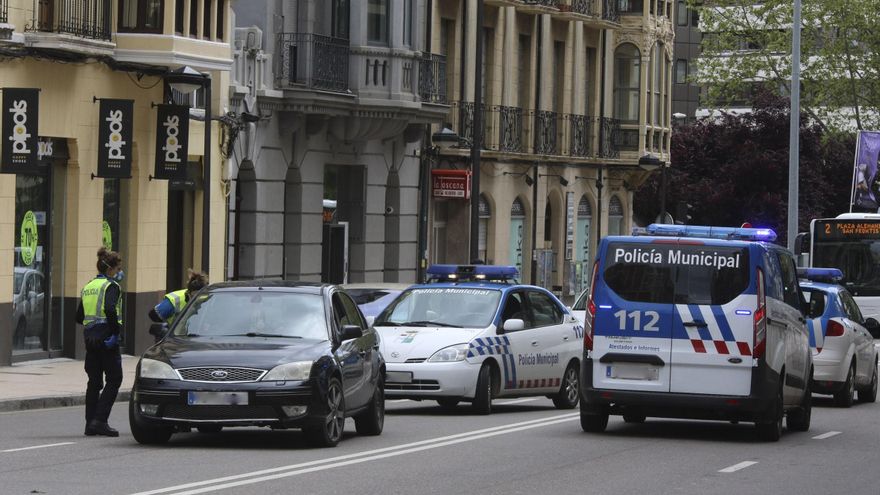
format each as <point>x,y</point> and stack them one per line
<point>867,148</point>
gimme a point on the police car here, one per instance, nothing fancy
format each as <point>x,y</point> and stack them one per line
<point>844,355</point>
<point>696,322</point>
<point>474,335</point>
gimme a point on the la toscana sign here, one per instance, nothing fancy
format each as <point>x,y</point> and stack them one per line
<point>451,183</point>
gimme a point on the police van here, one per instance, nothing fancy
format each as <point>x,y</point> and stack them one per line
<point>700,323</point>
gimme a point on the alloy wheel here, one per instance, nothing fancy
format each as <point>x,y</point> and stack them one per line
<point>336,417</point>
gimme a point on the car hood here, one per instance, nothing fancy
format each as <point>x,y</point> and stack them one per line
<point>248,352</point>
<point>402,343</point>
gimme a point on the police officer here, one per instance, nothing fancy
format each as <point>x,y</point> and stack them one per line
<point>100,312</point>
<point>174,302</point>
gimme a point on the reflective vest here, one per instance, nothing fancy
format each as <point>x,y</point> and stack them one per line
<point>178,300</point>
<point>93,295</point>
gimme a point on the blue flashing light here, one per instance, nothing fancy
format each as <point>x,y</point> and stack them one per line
<point>743,312</point>
<point>472,273</point>
<point>604,306</point>
<point>730,233</point>
<point>827,275</point>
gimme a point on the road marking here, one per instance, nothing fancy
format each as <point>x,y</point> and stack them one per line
<point>356,458</point>
<point>826,435</point>
<point>39,447</point>
<point>517,401</point>
<point>737,467</point>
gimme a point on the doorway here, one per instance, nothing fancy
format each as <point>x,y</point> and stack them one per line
<point>181,209</point>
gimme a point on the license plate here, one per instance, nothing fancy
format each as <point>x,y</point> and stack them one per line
<point>398,377</point>
<point>217,398</point>
<point>634,372</point>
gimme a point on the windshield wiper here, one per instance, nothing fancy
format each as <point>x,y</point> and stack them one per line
<point>259,334</point>
<point>426,323</point>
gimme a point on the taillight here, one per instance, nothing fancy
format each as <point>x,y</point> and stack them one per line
<point>834,329</point>
<point>591,310</point>
<point>760,317</point>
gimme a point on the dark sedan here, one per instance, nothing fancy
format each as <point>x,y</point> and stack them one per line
<point>277,354</point>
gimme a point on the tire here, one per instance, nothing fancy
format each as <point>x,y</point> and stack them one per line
<point>799,419</point>
<point>869,393</point>
<point>770,430</point>
<point>844,398</point>
<point>144,432</point>
<point>567,398</point>
<point>328,431</point>
<point>448,403</point>
<point>371,421</point>
<point>593,421</point>
<point>483,396</point>
<point>635,418</point>
<point>210,429</point>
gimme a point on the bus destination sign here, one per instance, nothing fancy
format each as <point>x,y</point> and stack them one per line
<point>833,230</point>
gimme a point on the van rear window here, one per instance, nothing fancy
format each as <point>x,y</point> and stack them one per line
<point>679,274</point>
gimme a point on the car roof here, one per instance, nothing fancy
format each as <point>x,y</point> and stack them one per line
<point>708,241</point>
<point>820,285</point>
<point>477,285</point>
<point>377,285</point>
<point>293,286</point>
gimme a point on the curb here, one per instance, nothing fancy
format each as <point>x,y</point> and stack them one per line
<point>13,405</point>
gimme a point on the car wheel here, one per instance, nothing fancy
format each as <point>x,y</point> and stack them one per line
<point>594,420</point>
<point>869,393</point>
<point>844,398</point>
<point>799,419</point>
<point>770,429</point>
<point>448,403</point>
<point>209,428</point>
<point>328,431</point>
<point>371,421</point>
<point>144,432</point>
<point>634,418</point>
<point>483,397</point>
<point>567,398</point>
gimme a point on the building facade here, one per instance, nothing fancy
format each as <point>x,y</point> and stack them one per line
<point>334,97</point>
<point>685,90</point>
<point>575,114</point>
<point>57,212</point>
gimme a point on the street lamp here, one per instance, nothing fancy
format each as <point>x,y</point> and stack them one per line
<point>186,80</point>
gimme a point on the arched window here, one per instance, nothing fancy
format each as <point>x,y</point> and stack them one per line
<point>627,83</point>
<point>485,215</point>
<point>584,226</point>
<point>517,234</point>
<point>658,86</point>
<point>615,216</point>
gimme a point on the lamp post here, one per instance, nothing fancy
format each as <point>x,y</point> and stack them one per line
<point>186,80</point>
<point>477,143</point>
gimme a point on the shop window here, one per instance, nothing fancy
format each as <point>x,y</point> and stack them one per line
<point>141,16</point>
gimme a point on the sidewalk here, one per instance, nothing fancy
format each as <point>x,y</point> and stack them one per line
<point>53,383</point>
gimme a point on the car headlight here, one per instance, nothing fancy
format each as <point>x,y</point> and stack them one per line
<point>299,370</point>
<point>455,352</point>
<point>151,368</point>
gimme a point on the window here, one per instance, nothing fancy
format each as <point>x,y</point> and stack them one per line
<point>194,18</point>
<point>525,70</point>
<point>345,311</point>
<point>141,16</point>
<point>852,309</point>
<point>483,242</point>
<point>206,22</point>
<point>630,6</point>
<point>658,60</point>
<point>695,18</point>
<point>377,21</point>
<point>615,216</point>
<point>790,292</point>
<point>681,71</point>
<point>221,19</point>
<point>515,309</point>
<point>340,13</point>
<point>682,13</point>
<point>196,99</point>
<point>627,83</point>
<point>178,16</point>
<point>544,311</point>
<point>816,302</point>
<point>407,22</point>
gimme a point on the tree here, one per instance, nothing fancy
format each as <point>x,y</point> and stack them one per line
<point>747,45</point>
<point>734,169</point>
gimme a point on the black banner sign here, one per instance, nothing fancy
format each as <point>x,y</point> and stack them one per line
<point>114,138</point>
<point>172,142</point>
<point>19,130</point>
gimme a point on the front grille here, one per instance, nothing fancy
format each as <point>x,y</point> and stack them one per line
<point>178,411</point>
<point>415,385</point>
<point>416,360</point>
<point>216,374</point>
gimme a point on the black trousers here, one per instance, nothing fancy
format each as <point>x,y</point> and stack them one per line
<point>102,363</point>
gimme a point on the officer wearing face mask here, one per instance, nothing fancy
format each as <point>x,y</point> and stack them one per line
<point>100,313</point>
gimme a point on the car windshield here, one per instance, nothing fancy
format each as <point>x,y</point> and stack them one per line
<point>364,296</point>
<point>255,314</point>
<point>455,307</point>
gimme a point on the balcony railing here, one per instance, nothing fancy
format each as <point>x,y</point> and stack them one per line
<point>313,60</point>
<point>545,3</point>
<point>586,7</point>
<point>4,11</point>
<point>82,18</point>
<point>432,78</point>
<point>610,11</point>
<point>516,130</point>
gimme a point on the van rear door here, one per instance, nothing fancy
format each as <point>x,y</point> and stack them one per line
<point>713,325</point>
<point>632,334</point>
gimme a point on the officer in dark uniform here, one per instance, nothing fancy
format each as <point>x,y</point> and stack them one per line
<point>100,313</point>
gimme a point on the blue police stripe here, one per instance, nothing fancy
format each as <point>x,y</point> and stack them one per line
<point>811,324</point>
<point>697,316</point>
<point>723,324</point>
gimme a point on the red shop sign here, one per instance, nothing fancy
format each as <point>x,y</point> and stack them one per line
<point>451,183</point>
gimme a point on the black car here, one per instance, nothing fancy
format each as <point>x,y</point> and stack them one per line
<point>262,353</point>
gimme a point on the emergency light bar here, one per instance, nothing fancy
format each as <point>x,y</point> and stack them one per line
<point>731,233</point>
<point>827,275</point>
<point>472,273</point>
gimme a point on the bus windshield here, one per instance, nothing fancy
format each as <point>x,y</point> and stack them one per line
<point>853,246</point>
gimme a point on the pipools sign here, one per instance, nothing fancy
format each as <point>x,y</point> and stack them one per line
<point>29,238</point>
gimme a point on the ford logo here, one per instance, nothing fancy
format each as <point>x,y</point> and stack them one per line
<point>395,354</point>
<point>219,374</point>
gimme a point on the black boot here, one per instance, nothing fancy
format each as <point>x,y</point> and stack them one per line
<point>99,428</point>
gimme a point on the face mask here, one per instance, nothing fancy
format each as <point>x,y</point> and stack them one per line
<point>119,276</point>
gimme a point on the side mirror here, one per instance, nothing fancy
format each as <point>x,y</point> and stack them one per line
<point>513,325</point>
<point>873,327</point>
<point>159,331</point>
<point>350,332</point>
<point>370,321</point>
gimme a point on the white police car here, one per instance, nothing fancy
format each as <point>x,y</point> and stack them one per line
<point>474,335</point>
<point>844,355</point>
<point>700,323</point>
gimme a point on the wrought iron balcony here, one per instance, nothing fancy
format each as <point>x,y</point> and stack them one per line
<point>546,132</point>
<point>432,78</point>
<point>580,135</point>
<point>545,3</point>
<point>586,7</point>
<point>83,18</point>
<point>610,11</point>
<point>312,60</point>
<point>610,145</point>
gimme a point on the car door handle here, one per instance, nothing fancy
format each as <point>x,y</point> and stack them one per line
<point>534,343</point>
<point>696,323</point>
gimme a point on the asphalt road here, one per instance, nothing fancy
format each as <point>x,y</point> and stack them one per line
<point>525,447</point>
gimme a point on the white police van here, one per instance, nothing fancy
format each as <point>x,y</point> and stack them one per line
<point>696,322</point>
